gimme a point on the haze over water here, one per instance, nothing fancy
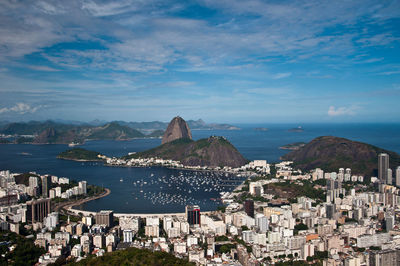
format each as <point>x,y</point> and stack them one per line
<point>158,196</point>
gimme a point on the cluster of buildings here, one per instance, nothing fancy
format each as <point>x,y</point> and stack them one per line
<point>355,225</point>
<point>258,166</point>
<point>29,200</point>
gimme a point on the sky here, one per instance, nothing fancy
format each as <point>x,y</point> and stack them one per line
<point>220,60</point>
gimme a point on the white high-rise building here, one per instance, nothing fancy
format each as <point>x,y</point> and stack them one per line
<point>58,191</point>
<point>83,187</point>
<point>389,176</point>
<point>51,220</point>
<point>33,181</point>
<point>261,223</point>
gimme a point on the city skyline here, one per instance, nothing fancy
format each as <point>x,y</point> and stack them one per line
<point>225,61</point>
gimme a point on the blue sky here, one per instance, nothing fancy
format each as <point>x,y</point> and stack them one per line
<point>224,61</point>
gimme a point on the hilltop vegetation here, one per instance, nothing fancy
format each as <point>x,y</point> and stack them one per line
<point>331,153</point>
<point>133,256</point>
<point>25,252</point>
<point>79,154</point>
<point>115,131</point>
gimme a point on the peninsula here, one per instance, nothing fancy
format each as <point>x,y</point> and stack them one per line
<point>177,145</point>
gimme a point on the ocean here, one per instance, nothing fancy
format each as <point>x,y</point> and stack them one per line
<point>162,190</point>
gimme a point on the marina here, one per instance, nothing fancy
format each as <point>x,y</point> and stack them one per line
<point>166,190</point>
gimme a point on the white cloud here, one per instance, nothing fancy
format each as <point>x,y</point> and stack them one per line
<point>342,111</point>
<point>20,108</point>
<point>282,75</point>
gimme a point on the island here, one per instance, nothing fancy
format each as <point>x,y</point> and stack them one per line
<point>292,146</point>
<point>79,154</point>
<point>296,129</point>
<point>261,129</point>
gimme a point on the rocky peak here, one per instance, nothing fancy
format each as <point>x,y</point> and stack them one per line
<point>177,129</point>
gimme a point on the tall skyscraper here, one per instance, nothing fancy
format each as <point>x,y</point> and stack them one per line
<point>383,166</point>
<point>249,208</point>
<point>46,182</point>
<point>398,176</point>
<point>193,214</point>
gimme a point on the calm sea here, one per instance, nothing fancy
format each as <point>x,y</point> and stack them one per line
<point>161,190</point>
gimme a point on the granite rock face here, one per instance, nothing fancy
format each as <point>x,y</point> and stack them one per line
<point>177,129</point>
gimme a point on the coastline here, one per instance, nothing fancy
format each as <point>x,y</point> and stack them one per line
<point>79,160</point>
<point>68,205</point>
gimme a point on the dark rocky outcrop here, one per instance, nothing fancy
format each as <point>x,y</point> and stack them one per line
<point>331,153</point>
<point>177,129</point>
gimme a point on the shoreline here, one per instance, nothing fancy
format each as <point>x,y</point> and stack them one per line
<point>245,174</point>
<point>69,205</point>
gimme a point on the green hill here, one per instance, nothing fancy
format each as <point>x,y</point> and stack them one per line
<point>213,151</point>
<point>79,154</point>
<point>331,153</point>
<point>115,131</point>
<point>133,256</point>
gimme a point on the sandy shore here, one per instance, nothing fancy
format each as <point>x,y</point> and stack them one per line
<point>68,205</point>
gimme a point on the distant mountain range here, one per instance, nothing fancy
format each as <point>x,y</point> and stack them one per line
<point>50,132</point>
<point>193,124</point>
<point>72,131</point>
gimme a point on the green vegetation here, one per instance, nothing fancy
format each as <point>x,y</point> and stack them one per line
<point>166,150</point>
<point>4,141</point>
<point>221,238</point>
<point>289,189</point>
<point>331,153</point>
<point>133,256</point>
<point>299,227</point>
<point>25,252</point>
<point>79,154</point>
<point>115,131</point>
<point>226,248</point>
<point>241,241</point>
<point>24,178</point>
